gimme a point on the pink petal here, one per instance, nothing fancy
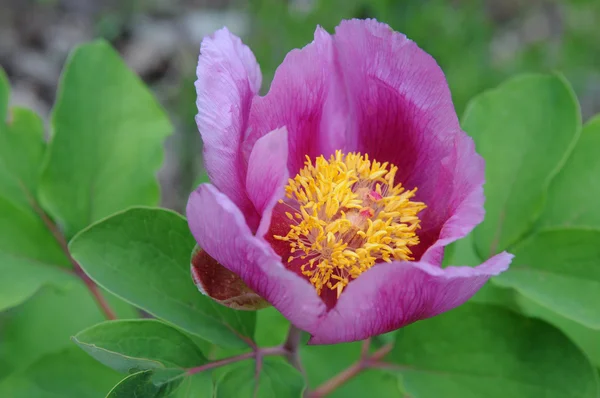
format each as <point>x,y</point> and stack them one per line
<point>267,174</point>
<point>228,79</point>
<point>220,229</point>
<point>404,115</point>
<point>305,98</point>
<point>460,201</point>
<point>392,295</point>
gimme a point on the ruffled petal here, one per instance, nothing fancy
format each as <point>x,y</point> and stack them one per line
<point>228,79</point>
<point>461,208</point>
<point>305,97</point>
<point>267,174</point>
<point>220,229</point>
<point>404,115</point>
<point>392,295</point>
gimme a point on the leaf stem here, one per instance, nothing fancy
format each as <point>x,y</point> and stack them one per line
<point>291,345</point>
<point>364,348</point>
<point>77,270</point>
<point>259,353</point>
<point>109,313</point>
<point>366,361</point>
<point>289,349</point>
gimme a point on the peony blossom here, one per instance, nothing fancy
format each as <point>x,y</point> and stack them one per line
<point>333,196</point>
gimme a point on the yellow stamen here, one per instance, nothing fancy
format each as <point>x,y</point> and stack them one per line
<point>348,215</point>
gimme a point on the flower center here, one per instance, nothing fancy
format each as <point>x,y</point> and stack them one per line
<point>347,214</point>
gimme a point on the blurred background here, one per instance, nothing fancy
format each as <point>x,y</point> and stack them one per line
<point>478,43</point>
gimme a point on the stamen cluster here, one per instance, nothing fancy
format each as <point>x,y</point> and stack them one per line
<point>346,214</point>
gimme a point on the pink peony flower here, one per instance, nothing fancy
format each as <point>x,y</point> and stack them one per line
<point>334,195</point>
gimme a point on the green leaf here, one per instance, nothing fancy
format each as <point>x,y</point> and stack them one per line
<point>158,383</point>
<point>45,323</point>
<point>143,256</point>
<point>21,153</point>
<point>277,379</point>
<point>22,278</point>
<point>141,344</point>
<point>107,141</point>
<point>559,269</point>
<point>493,294</point>
<point>67,374</point>
<point>524,129</point>
<point>479,351</point>
<point>587,339</point>
<point>572,199</point>
<point>29,254</point>
<point>199,385</point>
<point>271,327</point>
<point>462,252</point>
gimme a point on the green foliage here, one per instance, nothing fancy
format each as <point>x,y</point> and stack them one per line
<point>46,298</point>
<point>554,275</point>
<point>587,339</point>
<point>546,270</point>
<point>141,344</point>
<point>572,196</point>
<point>107,140</point>
<point>276,379</point>
<point>66,374</point>
<point>148,384</point>
<point>30,257</point>
<point>143,256</point>
<point>490,352</point>
<point>524,129</point>
<point>564,280</point>
<point>45,323</point>
<point>199,385</point>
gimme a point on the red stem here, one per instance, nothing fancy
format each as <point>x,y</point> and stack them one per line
<point>338,380</point>
<point>364,348</point>
<point>77,270</point>
<point>109,313</point>
<point>291,347</point>
<point>261,352</point>
<point>366,361</point>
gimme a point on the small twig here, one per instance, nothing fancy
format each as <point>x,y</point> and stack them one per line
<point>364,349</point>
<point>96,293</point>
<point>77,270</point>
<point>380,353</point>
<point>288,349</point>
<point>261,352</point>
<point>338,380</point>
<point>291,345</point>
<point>243,337</point>
<point>249,341</point>
<point>366,361</point>
<point>257,369</point>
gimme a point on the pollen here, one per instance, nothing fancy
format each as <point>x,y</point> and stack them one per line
<point>346,214</point>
